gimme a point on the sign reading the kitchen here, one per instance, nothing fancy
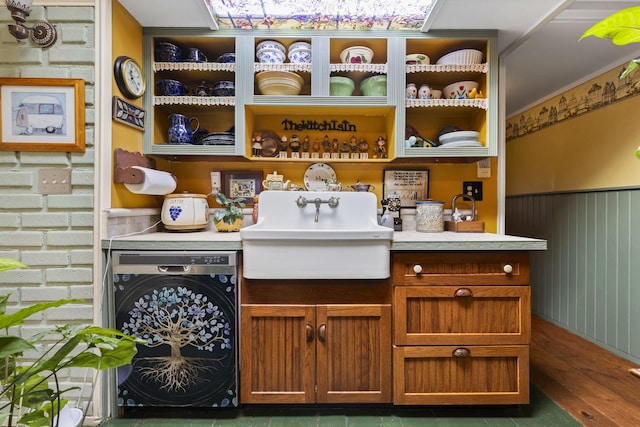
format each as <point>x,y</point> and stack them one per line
<point>324,125</point>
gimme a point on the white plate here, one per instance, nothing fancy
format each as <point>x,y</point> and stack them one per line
<point>469,143</point>
<point>317,176</point>
<point>463,135</point>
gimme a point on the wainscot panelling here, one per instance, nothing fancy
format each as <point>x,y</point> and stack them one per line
<point>588,281</point>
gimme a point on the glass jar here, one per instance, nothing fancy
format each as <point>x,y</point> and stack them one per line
<point>429,216</point>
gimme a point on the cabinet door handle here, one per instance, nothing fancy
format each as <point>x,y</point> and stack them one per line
<point>417,269</point>
<point>461,353</point>
<point>507,268</point>
<point>322,333</point>
<point>463,292</point>
<point>309,331</point>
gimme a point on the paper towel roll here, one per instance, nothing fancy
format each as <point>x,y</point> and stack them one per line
<point>156,183</point>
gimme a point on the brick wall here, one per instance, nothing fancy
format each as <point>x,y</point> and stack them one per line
<point>50,233</point>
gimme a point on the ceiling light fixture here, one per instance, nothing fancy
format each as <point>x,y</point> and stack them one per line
<point>42,33</point>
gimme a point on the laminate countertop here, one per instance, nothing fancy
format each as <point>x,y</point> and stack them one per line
<point>402,241</point>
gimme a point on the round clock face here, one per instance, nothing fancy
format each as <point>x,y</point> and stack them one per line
<point>129,77</point>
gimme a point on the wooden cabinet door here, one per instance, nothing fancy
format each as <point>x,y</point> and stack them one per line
<point>277,359</point>
<point>354,353</point>
<point>436,315</point>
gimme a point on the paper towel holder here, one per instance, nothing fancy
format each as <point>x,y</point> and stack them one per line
<point>124,173</point>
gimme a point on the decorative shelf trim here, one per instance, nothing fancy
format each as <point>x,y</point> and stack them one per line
<point>374,68</point>
<point>303,67</point>
<point>478,103</point>
<point>194,100</point>
<point>420,68</point>
<point>193,66</point>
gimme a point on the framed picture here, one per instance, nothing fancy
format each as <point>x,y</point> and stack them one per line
<point>42,114</point>
<point>242,184</point>
<point>408,185</point>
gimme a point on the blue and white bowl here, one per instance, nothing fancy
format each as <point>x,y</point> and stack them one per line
<point>227,58</point>
<point>300,55</point>
<point>170,87</point>
<point>224,88</point>
<point>167,52</point>
<point>270,56</point>
<point>271,44</point>
<point>299,45</point>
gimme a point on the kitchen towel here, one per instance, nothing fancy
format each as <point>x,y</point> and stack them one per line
<point>156,183</point>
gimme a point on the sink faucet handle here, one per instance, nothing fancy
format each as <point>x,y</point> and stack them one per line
<point>334,201</point>
<point>301,202</point>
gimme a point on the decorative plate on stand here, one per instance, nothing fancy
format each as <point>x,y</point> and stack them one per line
<point>317,176</point>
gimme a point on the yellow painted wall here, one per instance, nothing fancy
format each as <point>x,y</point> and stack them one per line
<point>590,151</point>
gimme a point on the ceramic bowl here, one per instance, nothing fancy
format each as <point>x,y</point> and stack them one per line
<point>461,57</point>
<point>435,94</point>
<point>279,83</point>
<point>374,86</point>
<point>226,58</point>
<point>270,56</point>
<point>271,44</point>
<point>224,88</point>
<point>170,87</point>
<point>299,56</point>
<point>299,45</point>
<point>167,52</point>
<point>459,90</point>
<point>416,58</point>
<point>356,55</point>
<point>341,86</point>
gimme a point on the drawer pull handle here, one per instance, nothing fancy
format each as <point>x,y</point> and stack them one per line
<point>463,292</point>
<point>417,269</point>
<point>322,333</point>
<point>309,332</point>
<point>508,268</point>
<point>461,353</point>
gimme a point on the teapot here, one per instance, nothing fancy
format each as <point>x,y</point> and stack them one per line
<point>275,182</point>
<point>363,187</point>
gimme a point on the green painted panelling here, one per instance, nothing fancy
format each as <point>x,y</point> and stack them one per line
<point>588,281</point>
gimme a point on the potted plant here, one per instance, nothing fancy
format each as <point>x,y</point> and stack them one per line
<point>230,216</point>
<point>622,27</point>
<point>30,390</point>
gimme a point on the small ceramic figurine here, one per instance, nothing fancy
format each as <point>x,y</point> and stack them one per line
<point>282,145</point>
<point>326,144</point>
<point>382,147</point>
<point>363,146</point>
<point>353,143</point>
<point>295,144</point>
<point>256,145</point>
<point>316,145</point>
<point>305,144</point>
<point>344,147</point>
<point>334,145</point>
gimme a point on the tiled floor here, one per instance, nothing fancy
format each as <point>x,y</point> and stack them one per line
<point>541,412</point>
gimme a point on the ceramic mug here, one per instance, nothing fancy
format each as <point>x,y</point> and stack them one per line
<point>195,55</point>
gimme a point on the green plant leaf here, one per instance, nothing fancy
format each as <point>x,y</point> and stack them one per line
<point>638,153</point>
<point>10,345</point>
<point>17,318</point>
<point>622,27</point>
<point>10,264</point>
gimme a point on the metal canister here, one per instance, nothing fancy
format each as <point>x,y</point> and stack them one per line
<point>429,216</point>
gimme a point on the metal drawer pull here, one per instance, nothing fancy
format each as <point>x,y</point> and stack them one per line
<point>463,292</point>
<point>461,353</point>
<point>322,333</point>
<point>417,269</point>
<point>508,268</point>
<point>309,331</point>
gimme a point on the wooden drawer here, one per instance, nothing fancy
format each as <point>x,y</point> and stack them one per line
<point>461,268</point>
<point>435,315</point>
<point>454,375</point>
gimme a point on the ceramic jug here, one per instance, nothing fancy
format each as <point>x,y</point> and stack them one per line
<point>180,131</point>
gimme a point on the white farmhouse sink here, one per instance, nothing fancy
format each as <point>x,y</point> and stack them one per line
<point>287,242</point>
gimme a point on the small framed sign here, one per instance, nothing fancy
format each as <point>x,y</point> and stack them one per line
<point>242,184</point>
<point>127,113</point>
<point>408,185</point>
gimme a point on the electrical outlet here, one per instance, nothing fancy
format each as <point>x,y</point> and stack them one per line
<point>473,189</point>
<point>54,181</point>
<point>215,183</point>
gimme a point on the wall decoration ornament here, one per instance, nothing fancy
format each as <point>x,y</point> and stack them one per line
<point>598,92</point>
<point>41,114</point>
<point>128,114</point>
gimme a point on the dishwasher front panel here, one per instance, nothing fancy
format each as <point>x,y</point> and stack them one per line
<point>189,322</point>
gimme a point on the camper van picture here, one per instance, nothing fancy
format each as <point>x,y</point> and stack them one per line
<point>40,114</point>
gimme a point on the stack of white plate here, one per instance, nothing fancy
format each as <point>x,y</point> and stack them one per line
<point>463,138</point>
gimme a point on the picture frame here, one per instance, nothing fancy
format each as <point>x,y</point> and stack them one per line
<point>242,184</point>
<point>128,114</point>
<point>409,185</point>
<point>42,114</point>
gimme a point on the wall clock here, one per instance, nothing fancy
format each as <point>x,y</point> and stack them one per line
<point>129,77</point>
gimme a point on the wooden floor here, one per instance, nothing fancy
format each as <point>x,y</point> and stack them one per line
<point>590,383</point>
